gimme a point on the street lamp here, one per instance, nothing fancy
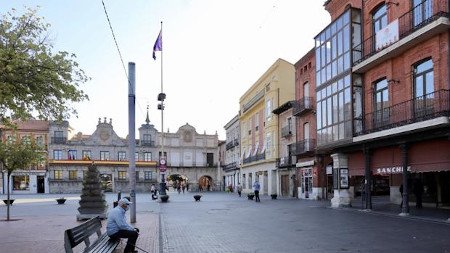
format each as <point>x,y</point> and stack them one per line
<point>162,157</point>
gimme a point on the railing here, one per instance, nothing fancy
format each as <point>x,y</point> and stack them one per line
<point>303,105</point>
<point>419,16</point>
<point>230,145</point>
<point>255,158</point>
<point>230,166</point>
<point>286,131</point>
<point>429,106</point>
<point>59,140</point>
<point>305,146</point>
<point>284,161</point>
<point>147,143</point>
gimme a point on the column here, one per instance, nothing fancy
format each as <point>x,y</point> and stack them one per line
<point>405,200</point>
<point>342,197</point>
<point>368,178</point>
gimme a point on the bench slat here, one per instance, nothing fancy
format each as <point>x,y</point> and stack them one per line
<point>104,245</point>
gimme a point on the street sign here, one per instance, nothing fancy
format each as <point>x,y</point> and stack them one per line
<point>162,164</point>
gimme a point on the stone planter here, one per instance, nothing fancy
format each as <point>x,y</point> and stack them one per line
<point>250,196</point>
<point>197,197</point>
<point>11,201</point>
<point>61,201</point>
<point>274,196</point>
<point>164,198</point>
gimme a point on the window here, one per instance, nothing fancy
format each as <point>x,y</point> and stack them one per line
<point>122,175</point>
<point>40,141</point>
<point>148,175</point>
<point>165,154</point>
<point>209,159</point>
<point>268,109</point>
<point>57,174</point>
<point>57,154</point>
<point>147,137</point>
<point>104,155</point>
<point>121,156</point>
<point>26,139</point>
<point>86,154</point>
<point>58,137</point>
<point>256,121</point>
<point>423,88</point>
<point>381,103</point>
<point>58,134</point>
<point>136,156</point>
<point>72,155</point>
<point>72,174</point>
<point>10,139</point>
<point>147,156</point>
<point>137,176</point>
<point>423,9</point>
<point>289,124</point>
<point>379,18</point>
<point>21,183</point>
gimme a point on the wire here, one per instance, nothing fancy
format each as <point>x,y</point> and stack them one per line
<point>115,41</point>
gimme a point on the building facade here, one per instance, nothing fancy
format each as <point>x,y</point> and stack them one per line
<point>259,126</point>
<point>191,158</point>
<point>382,97</point>
<point>35,178</point>
<point>232,165</point>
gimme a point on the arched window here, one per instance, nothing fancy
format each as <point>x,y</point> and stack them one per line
<point>423,88</point>
<point>423,9</point>
<point>379,18</point>
<point>381,102</point>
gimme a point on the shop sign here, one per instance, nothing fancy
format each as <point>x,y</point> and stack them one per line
<point>391,170</point>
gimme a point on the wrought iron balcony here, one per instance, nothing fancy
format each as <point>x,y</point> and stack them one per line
<point>420,16</point>
<point>230,166</point>
<point>303,105</point>
<point>147,143</point>
<point>286,131</point>
<point>59,140</point>
<point>255,158</point>
<point>429,106</point>
<point>230,145</point>
<point>305,147</point>
<point>284,162</point>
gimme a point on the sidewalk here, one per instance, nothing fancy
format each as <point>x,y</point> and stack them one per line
<point>38,224</point>
<point>382,205</point>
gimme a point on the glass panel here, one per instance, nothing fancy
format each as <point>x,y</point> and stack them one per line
<point>346,61</point>
<point>346,38</point>
<point>429,82</point>
<point>419,86</point>
<point>329,112</point>
<point>319,115</point>
<point>334,68</point>
<point>340,43</point>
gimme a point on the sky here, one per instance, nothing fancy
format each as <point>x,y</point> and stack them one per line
<point>213,52</point>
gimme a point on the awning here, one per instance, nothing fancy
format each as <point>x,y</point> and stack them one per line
<point>255,150</point>
<point>263,149</point>
<point>249,152</point>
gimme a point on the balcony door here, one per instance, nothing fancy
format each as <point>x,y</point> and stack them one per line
<point>306,135</point>
<point>381,103</point>
<point>423,10</point>
<point>423,88</point>
<point>306,95</point>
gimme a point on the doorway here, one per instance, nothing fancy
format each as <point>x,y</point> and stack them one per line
<point>40,184</point>
<point>284,185</point>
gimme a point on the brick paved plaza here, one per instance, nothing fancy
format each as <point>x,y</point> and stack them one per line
<point>223,222</point>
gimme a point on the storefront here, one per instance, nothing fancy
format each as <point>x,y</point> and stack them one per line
<point>26,182</point>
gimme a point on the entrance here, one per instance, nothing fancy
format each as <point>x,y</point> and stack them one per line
<point>205,183</point>
<point>106,182</point>
<point>307,181</point>
<point>40,184</point>
<point>284,185</point>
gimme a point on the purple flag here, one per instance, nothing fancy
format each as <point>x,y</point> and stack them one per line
<point>158,45</point>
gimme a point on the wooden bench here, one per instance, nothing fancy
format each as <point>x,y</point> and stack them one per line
<point>81,233</point>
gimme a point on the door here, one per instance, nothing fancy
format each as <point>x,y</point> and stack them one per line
<point>40,184</point>
<point>106,182</point>
<point>284,185</point>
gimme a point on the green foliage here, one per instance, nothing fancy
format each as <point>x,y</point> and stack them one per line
<point>34,81</point>
<point>20,155</point>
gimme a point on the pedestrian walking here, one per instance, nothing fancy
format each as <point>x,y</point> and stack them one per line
<point>256,188</point>
<point>239,189</point>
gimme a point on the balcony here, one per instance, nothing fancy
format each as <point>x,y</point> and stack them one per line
<point>59,140</point>
<point>286,131</point>
<point>427,107</point>
<point>415,26</point>
<point>147,143</point>
<point>303,106</point>
<point>231,166</point>
<point>255,158</point>
<point>230,145</point>
<point>286,161</point>
<point>305,147</point>
<point>236,142</point>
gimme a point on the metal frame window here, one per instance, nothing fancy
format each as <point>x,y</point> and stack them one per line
<point>57,154</point>
<point>423,10</point>
<point>72,174</point>
<point>86,154</point>
<point>423,78</point>
<point>148,175</point>
<point>381,101</point>
<point>57,174</point>
<point>379,18</point>
<point>104,155</point>
<point>121,156</point>
<point>147,156</point>
<point>122,175</point>
<point>72,154</point>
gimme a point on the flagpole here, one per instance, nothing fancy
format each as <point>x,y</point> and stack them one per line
<point>163,181</point>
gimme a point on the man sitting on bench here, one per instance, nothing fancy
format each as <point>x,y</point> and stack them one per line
<point>117,226</point>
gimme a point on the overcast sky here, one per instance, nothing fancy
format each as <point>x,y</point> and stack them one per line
<point>213,51</point>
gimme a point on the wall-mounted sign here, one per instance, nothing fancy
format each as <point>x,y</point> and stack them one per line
<point>343,178</point>
<point>390,170</point>
<point>387,35</point>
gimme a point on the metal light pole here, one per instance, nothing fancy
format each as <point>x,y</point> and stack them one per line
<point>131,137</point>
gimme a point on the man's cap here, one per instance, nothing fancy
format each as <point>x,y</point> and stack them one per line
<point>124,201</point>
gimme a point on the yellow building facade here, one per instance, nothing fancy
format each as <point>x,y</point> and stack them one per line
<point>259,126</point>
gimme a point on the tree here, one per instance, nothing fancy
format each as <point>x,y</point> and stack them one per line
<point>34,81</point>
<point>18,155</point>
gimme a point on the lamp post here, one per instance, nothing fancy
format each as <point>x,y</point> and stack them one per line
<point>162,157</point>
